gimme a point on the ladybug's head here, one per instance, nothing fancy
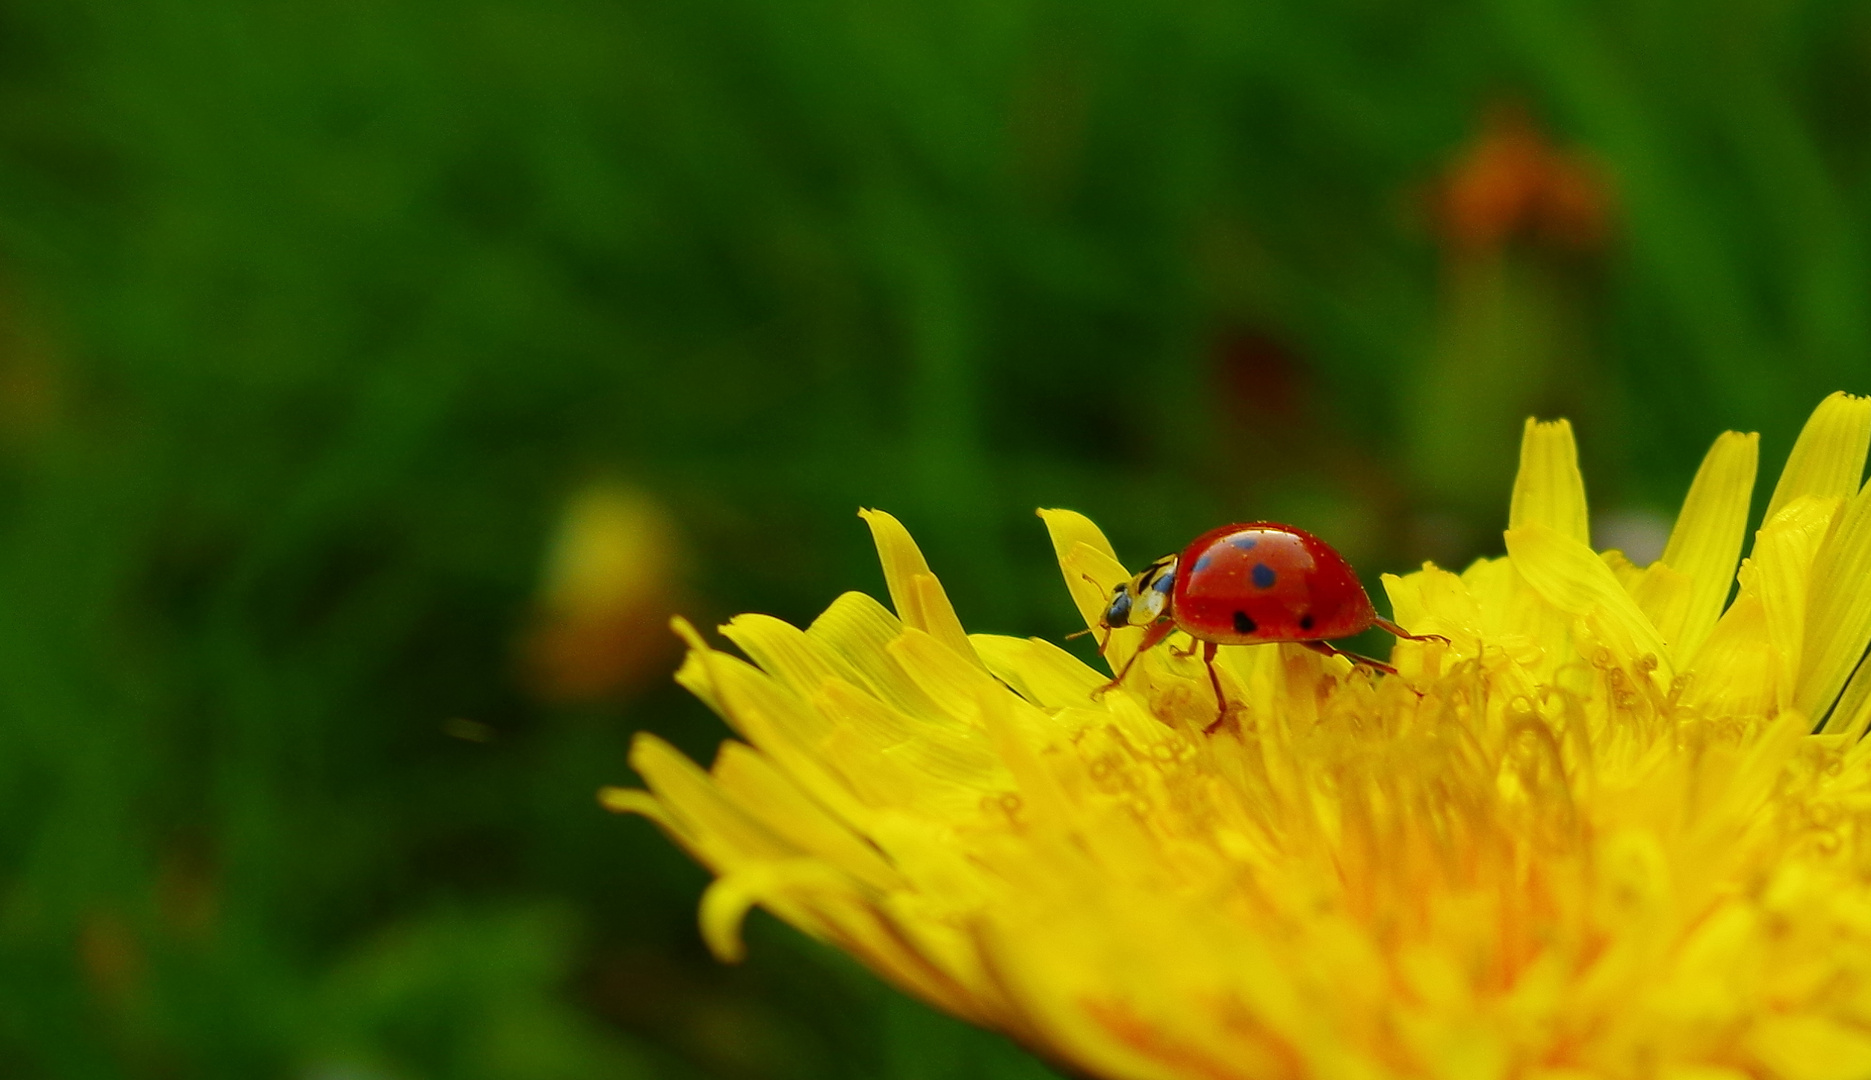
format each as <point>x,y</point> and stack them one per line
<point>1143,599</point>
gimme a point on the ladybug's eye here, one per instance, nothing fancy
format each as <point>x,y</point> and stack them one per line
<point>1118,614</point>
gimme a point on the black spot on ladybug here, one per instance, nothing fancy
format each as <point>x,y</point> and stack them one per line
<point>1244,541</point>
<point>1243,624</point>
<point>1305,622</point>
<point>1263,576</point>
<point>1165,583</point>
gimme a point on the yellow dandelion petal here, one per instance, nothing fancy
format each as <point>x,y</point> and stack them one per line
<point>857,628</point>
<point>1037,669</point>
<point>1628,573</point>
<point>786,727</point>
<point>1068,529</point>
<point>895,761</point>
<point>1851,715</point>
<point>1515,617</point>
<point>1549,489</point>
<point>1737,671</point>
<point>1812,1048</point>
<point>1591,836</point>
<point>914,591</point>
<point>1778,571</point>
<point>1665,595</point>
<point>1570,576</point>
<point>779,883</point>
<point>1091,571</point>
<point>1706,543</point>
<point>949,680</point>
<point>703,819</point>
<point>749,780</point>
<point>792,656</point>
<point>1828,458</point>
<point>1838,615</point>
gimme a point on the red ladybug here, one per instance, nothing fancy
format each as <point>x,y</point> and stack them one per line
<point>1249,584</point>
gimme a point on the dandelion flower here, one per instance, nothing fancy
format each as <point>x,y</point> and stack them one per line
<point>1617,826</point>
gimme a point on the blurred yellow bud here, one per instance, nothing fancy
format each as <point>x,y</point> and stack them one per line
<point>611,583</point>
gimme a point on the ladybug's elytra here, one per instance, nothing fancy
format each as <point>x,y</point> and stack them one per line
<point>1249,584</point>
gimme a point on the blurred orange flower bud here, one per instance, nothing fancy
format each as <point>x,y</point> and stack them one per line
<point>1511,183</point>
<point>110,956</point>
<point>612,581</point>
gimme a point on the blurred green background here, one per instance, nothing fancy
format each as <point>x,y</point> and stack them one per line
<point>375,378</point>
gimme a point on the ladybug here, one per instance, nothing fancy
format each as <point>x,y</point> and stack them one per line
<point>1249,584</point>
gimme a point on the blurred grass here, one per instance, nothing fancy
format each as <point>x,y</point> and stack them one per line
<point>313,316</point>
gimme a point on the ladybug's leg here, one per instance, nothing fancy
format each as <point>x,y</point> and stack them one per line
<point>1328,649</point>
<point>1385,624</point>
<point>1152,637</point>
<point>1214,680</point>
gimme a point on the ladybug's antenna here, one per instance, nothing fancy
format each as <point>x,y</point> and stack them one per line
<point>1104,641</point>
